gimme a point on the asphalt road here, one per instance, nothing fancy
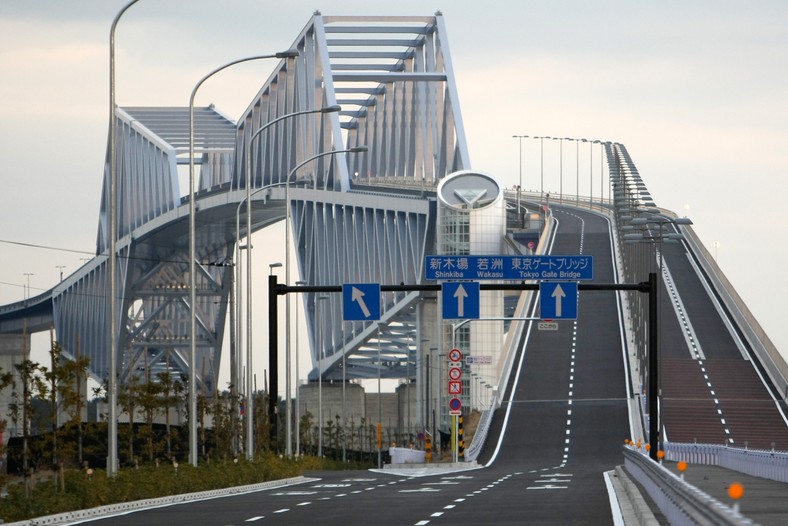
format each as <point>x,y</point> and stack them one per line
<point>561,426</point>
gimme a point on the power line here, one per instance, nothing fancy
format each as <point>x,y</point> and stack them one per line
<point>222,262</point>
<point>45,247</point>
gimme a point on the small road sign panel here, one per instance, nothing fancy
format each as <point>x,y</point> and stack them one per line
<point>455,373</point>
<point>455,355</point>
<point>460,300</point>
<point>558,300</point>
<point>479,360</point>
<point>361,301</point>
<point>455,406</point>
<point>455,387</point>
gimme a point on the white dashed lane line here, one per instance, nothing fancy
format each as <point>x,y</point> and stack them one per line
<point>449,507</point>
<point>696,352</point>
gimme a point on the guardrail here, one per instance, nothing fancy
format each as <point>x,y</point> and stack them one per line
<point>680,502</point>
<point>479,437</point>
<point>764,463</point>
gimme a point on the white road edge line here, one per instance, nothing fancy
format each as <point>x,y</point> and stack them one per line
<point>618,518</point>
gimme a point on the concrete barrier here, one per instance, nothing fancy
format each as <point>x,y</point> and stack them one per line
<point>401,455</point>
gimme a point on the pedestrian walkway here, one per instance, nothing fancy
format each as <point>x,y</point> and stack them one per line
<point>765,501</point>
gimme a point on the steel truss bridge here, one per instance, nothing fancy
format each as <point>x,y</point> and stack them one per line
<point>366,217</point>
<point>356,217</point>
<point>370,217</point>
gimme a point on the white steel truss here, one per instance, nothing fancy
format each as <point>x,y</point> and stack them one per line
<point>365,216</point>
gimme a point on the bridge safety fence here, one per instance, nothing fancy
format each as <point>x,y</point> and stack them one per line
<point>472,453</point>
<point>763,463</point>
<point>680,502</point>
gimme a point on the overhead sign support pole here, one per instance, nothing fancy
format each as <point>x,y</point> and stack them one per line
<point>653,367</point>
<point>649,287</point>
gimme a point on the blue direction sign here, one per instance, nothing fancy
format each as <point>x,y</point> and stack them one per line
<point>552,268</point>
<point>360,301</point>
<point>460,300</point>
<point>558,300</point>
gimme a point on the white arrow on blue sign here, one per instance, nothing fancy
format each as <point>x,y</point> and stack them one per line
<point>558,300</point>
<point>361,301</point>
<point>460,300</point>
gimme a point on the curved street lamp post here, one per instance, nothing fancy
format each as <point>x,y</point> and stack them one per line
<point>291,53</point>
<point>654,231</point>
<point>247,200</point>
<point>112,381</point>
<point>356,149</point>
<point>520,184</point>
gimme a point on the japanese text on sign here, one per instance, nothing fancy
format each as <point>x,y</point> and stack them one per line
<point>509,267</point>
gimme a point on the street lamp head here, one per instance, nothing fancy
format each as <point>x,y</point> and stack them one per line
<point>290,53</point>
<point>334,108</point>
<point>359,149</point>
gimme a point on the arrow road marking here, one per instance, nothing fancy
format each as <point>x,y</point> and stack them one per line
<point>558,294</point>
<point>358,296</point>
<point>460,294</point>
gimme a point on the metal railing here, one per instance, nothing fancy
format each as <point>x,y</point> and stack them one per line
<point>479,437</point>
<point>680,502</point>
<point>764,463</point>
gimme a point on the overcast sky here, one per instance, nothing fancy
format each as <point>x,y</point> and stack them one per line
<point>694,90</point>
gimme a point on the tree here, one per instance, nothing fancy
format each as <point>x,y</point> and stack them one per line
<point>6,379</point>
<point>305,428</point>
<point>127,400</point>
<point>168,398</point>
<point>29,376</point>
<point>149,398</point>
<point>68,376</point>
